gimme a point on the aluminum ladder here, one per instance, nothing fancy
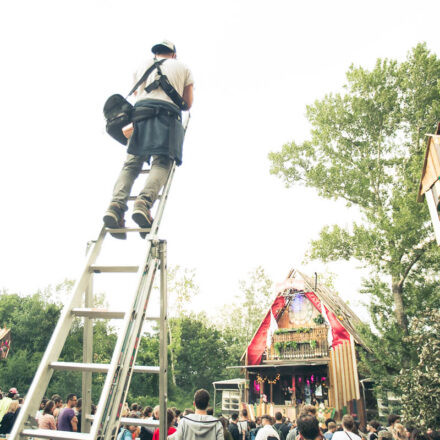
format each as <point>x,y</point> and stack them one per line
<point>105,423</point>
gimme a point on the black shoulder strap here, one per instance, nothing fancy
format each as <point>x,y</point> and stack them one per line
<point>155,65</point>
<point>168,88</point>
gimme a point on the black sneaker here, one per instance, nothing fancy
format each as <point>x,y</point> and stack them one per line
<point>142,216</point>
<point>114,219</point>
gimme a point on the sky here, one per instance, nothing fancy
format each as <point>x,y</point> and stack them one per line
<point>257,65</point>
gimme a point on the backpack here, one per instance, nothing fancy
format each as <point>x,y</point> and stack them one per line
<point>279,432</point>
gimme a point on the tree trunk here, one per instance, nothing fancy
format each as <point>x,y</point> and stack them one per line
<point>399,310</point>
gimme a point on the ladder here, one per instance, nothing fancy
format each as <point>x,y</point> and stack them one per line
<point>105,423</point>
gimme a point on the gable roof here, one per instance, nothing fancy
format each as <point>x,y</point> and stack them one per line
<point>335,304</point>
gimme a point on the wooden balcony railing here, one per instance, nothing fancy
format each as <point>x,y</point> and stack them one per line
<point>300,345</point>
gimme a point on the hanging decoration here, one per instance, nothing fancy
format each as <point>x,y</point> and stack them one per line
<point>261,379</point>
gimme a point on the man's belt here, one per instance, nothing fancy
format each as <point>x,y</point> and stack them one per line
<point>140,113</point>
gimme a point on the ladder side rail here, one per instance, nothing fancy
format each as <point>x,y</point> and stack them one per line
<point>44,372</point>
<point>130,354</point>
<point>115,413</point>
<point>113,377</point>
<point>163,343</point>
<point>99,422</point>
<point>86,384</point>
<point>164,197</point>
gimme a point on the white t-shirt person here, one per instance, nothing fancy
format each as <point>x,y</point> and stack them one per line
<point>345,435</point>
<point>266,431</point>
<point>177,72</point>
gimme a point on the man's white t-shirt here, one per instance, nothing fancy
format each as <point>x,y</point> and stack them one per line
<point>178,74</point>
<point>267,431</point>
<point>345,435</point>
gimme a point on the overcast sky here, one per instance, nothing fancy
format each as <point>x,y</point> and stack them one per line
<point>256,66</point>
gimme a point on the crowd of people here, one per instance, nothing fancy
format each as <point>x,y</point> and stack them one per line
<point>199,422</point>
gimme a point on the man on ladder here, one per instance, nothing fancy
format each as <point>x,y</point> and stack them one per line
<point>156,133</point>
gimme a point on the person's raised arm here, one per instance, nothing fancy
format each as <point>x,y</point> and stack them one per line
<point>188,95</point>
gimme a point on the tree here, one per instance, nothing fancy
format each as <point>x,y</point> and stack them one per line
<point>32,320</point>
<point>421,381</point>
<point>240,321</point>
<point>200,351</point>
<point>366,148</point>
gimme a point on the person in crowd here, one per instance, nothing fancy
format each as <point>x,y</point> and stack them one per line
<point>78,413</point>
<point>210,411</point>
<point>125,410</point>
<point>243,425</point>
<point>392,419</point>
<point>129,432</point>
<point>39,413</point>
<point>233,428</point>
<point>199,425</point>
<point>9,418</point>
<point>254,428</point>
<point>267,431</point>
<point>226,434</point>
<point>358,431</point>
<point>385,434</point>
<point>67,420</point>
<point>58,405</point>
<point>47,420</point>
<point>308,427</point>
<point>20,401</point>
<point>309,409</point>
<point>398,432</point>
<point>170,421</point>
<point>6,401</point>
<point>178,414</point>
<point>187,411</point>
<point>293,431</point>
<point>348,426</point>
<point>331,428</point>
<point>373,427</point>
<point>280,426</point>
<point>145,432</point>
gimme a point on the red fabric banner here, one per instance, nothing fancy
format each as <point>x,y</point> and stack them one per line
<point>257,346</point>
<point>338,331</point>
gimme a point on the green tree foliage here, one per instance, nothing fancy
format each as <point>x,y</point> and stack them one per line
<point>366,148</point>
<point>32,320</point>
<point>240,320</point>
<point>420,382</point>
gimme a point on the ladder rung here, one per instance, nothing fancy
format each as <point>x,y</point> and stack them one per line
<point>120,231</point>
<point>104,314</point>
<point>58,435</point>
<point>97,368</point>
<point>152,318</point>
<point>113,269</point>
<point>135,422</point>
<point>98,313</point>
<point>140,422</point>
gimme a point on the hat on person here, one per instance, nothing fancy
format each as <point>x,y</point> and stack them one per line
<point>13,391</point>
<point>165,44</point>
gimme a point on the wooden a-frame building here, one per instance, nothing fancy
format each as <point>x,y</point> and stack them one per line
<point>303,352</point>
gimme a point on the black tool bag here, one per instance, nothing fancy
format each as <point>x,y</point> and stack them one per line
<point>118,111</point>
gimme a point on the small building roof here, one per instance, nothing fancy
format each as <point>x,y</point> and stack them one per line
<point>431,164</point>
<point>229,384</point>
